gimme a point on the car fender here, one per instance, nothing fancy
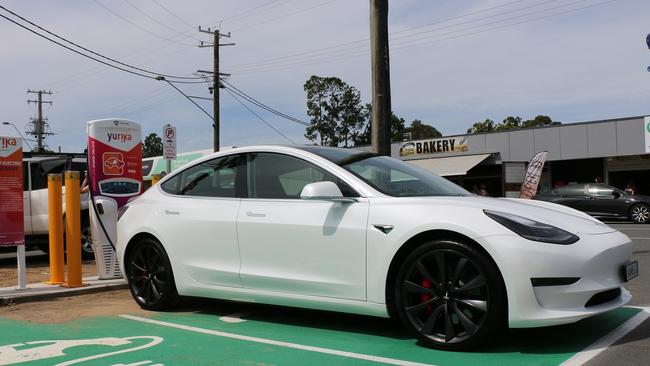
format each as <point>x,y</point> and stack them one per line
<point>417,219</point>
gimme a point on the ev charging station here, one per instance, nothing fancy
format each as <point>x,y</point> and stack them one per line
<point>115,176</point>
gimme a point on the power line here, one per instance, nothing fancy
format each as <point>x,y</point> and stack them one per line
<point>93,52</point>
<point>353,49</point>
<point>160,78</point>
<point>260,118</point>
<point>139,27</point>
<point>321,50</point>
<point>252,11</point>
<point>156,20</point>
<point>173,14</point>
<point>91,57</point>
<point>252,100</point>
<point>410,43</point>
<point>284,16</point>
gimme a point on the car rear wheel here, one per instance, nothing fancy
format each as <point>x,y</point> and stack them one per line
<point>150,276</point>
<point>87,251</point>
<point>640,213</point>
<point>449,295</point>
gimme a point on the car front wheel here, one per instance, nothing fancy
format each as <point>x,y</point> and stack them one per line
<point>640,213</point>
<point>150,276</point>
<point>449,295</point>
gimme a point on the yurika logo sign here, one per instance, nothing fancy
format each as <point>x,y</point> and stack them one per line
<point>119,137</point>
<point>6,142</point>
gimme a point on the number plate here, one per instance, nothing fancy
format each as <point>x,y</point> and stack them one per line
<point>630,270</point>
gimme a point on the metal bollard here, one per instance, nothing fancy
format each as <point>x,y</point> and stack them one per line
<point>73,228</point>
<point>55,221</point>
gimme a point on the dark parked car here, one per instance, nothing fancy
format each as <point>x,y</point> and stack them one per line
<point>601,201</point>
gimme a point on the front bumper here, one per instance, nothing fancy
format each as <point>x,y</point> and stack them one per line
<point>595,259</point>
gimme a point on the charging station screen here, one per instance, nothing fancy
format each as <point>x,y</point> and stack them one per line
<point>115,159</point>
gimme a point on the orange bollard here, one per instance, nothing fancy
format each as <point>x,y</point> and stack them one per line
<point>55,220</point>
<point>154,179</point>
<point>73,228</point>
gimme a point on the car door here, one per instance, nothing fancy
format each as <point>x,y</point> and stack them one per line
<point>38,194</point>
<point>198,220</point>
<point>605,201</point>
<point>291,245</point>
<point>572,195</point>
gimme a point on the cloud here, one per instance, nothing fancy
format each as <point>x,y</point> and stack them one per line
<point>573,67</point>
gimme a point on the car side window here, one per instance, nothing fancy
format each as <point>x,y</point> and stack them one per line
<point>279,176</point>
<point>571,190</point>
<point>212,178</point>
<point>40,170</point>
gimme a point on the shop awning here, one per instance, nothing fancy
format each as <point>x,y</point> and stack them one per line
<point>451,165</point>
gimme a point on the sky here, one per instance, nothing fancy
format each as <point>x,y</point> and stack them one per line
<point>452,62</point>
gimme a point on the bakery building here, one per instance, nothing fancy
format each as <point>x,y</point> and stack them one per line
<point>613,151</point>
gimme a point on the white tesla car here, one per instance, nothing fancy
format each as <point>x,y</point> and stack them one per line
<point>345,230</point>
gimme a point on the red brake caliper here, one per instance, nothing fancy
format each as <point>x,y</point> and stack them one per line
<point>426,297</point>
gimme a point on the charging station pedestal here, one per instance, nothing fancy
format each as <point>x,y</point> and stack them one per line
<point>115,173</point>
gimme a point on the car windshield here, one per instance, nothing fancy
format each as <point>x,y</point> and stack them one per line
<point>397,178</point>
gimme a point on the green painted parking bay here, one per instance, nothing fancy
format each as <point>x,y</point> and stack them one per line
<point>279,336</point>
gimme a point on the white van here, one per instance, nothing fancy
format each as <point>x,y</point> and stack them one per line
<point>36,167</point>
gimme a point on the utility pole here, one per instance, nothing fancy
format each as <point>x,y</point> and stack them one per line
<point>216,125</point>
<point>381,109</point>
<point>40,126</point>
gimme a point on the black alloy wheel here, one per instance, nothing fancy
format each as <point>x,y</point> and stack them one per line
<point>150,276</point>
<point>449,295</point>
<point>87,251</point>
<point>640,213</point>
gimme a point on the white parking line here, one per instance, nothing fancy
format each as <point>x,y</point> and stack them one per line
<point>600,345</point>
<point>360,356</point>
<point>640,238</point>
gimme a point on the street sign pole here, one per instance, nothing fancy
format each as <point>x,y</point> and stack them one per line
<point>169,146</point>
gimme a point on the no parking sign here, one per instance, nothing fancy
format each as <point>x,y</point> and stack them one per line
<point>169,142</point>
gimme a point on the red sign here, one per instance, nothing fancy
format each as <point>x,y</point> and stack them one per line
<point>115,159</point>
<point>12,229</point>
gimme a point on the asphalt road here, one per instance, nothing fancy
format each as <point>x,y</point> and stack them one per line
<point>634,348</point>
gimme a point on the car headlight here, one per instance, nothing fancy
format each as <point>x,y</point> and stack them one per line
<point>532,230</point>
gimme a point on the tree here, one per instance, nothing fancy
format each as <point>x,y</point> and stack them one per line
<point>335,110</point>
<point>485,126</point>
<point>510,123</point>
<point>364,135</point>
<point>152,146</point>
<point>538,121</point>
<point>419,131</point>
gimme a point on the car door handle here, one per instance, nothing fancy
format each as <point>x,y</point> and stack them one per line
<point>168,212</point>
<point>255,214</point>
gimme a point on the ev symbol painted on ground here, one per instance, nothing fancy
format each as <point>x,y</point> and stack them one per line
<point>39,350</point>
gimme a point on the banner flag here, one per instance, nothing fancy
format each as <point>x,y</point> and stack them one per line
<point>533,174</point>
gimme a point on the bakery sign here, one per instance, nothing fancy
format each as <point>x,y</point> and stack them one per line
<point>433,146</point>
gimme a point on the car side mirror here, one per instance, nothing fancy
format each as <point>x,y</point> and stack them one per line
<point>328,191</point>
<point>616,194</point>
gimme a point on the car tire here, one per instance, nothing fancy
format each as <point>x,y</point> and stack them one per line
<point>640,213</point>
<point>150,277</point>
<point>87,251</point>
<point>449,296</point>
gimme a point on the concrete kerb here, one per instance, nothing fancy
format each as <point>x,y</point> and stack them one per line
<point>41,291</point>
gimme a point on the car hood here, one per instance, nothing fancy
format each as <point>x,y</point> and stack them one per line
<point>563,217</point>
